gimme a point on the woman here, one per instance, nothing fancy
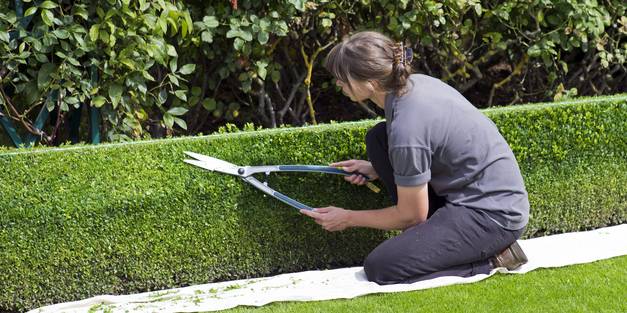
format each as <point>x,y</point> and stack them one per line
<point>459,194</point>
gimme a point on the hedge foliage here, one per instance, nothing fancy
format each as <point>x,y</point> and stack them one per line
<point>124,218</point>
<point>183,67</point>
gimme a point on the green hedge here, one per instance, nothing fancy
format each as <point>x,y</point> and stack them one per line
<point>123,218</point>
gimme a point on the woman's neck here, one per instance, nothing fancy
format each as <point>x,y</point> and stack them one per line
<point>379,98</point>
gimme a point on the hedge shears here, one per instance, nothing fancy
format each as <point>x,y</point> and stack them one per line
<point>246,173</point>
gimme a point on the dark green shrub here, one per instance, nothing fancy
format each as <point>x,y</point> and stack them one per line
<point>122,218</point>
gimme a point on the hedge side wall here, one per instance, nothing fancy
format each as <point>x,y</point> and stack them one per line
<point>122,218</point>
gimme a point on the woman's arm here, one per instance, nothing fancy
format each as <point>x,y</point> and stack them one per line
<point>412,209</point>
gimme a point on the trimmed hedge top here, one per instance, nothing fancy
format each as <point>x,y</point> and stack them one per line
<point>121,218</point>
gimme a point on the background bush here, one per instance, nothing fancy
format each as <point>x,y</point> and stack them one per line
<point>158,68</point>
<point>123,218</point>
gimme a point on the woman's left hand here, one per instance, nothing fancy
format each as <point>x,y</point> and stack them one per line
<point>330,218</point>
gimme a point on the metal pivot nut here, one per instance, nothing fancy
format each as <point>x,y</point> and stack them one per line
<point>265,181</point>
<point>240,171</point>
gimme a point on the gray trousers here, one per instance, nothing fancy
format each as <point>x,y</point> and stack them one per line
<point>453,241</point>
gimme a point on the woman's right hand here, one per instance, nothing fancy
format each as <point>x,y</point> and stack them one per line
<point>357,166</point>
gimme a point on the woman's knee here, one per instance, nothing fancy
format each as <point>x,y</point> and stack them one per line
<point>378,269</point>
<point>372,267</point>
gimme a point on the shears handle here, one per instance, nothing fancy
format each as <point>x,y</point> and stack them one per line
<point>271,192</point>
<point>328,170</point>
<point>296,168</point>
<point>319,169</point>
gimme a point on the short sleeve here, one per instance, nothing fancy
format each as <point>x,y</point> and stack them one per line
<point>412,165</point>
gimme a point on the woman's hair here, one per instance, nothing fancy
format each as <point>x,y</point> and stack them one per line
<point>371,55</point>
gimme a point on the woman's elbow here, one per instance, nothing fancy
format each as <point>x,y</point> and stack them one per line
<point>413,220</point>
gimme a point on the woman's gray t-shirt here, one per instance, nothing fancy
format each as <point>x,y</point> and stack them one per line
<point>435,135</point>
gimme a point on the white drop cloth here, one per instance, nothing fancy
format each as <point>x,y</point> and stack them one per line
<point>550,251</point>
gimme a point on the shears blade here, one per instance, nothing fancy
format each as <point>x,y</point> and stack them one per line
<point>212,164</point>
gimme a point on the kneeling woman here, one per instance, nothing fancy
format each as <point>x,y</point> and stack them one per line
<point>460,197</point>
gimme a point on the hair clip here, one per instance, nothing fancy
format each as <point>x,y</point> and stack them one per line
<point>408,56</point>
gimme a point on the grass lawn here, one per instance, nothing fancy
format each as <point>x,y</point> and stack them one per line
<point>595,287</point>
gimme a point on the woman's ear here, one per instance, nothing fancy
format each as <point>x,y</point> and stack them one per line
<point>373,86</point>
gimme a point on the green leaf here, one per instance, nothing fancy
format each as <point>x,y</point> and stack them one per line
<point>210,21</point>
<point>193,100</point>
<point>94,32</point>
<point>246,35</point>
<point>187,69</point>
<point>71,100</point>
<point>534,51</point>
<point>4,36</point>
<point>264,24</point>
<point>30,92</point>
<point>206,36</point>
<point>115,94</point>
<point>171,51</point>
<point>184,29</point>
<point>50,104</point>
<point>47,17</point>
<point>196,91</point>
<point>189,23</point>
<point>43,77</point>
<point>233,33</point>
<point>37,46</point>
<point>163,26</point>
<point>168,120</point>
<point>129,63</point>
<point>298,4</point>
<point>61,33</point>
<point>48,5</point>
<point>174,28</point>
<point>73,61</point>
<point>79,11</point>
<point>177,111</point>
<point>30,11</point>
<point>148,76</point>
<point>173,64</point>
<point>478,9</point>
<point>132,122</point>
<point>173,79</point>
<point>280,28</point>
<point>23,55</point>
<point>163,96</point>
<point>180,122</point>
<point>209,104</point>
<point>143,5</point>
<point>238,44</point>
<point>181,94</point>
<point>263,37</point>
<point>261,69</point>
<point>98,101</point>
<point>42,58</point>
<point>276,76</point>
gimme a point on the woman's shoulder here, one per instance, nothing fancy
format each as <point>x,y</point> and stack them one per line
<point>424,81</point>
<point>433,92</point>
<point>421,91</point>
